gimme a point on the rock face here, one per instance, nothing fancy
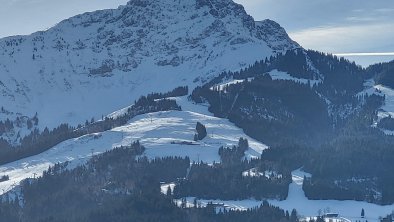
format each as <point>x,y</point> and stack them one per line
<point>94,63</point>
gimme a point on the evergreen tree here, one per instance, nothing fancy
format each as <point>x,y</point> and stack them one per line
<point>169,191</point>
<point>293,216</point>
<point>201,131</point>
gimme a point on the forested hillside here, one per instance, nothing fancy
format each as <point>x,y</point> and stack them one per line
<point>115,186</point>
<point>323,126</point>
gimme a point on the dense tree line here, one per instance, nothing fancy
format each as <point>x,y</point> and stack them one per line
<point>117,186</point>
<point>342,79</point>
<point>326,189</point>
<point>177,92</point>
<point>231,156</point>
<point>354,164</point>
<point>40,141</point>
<point>382,73</point>
<point>351,168</point>
<point>367,158</point>
<point>226,181</point>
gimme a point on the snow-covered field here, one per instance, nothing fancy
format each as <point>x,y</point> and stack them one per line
<point>307,208</point>
<point>162,134</point>
<point>279,75</point>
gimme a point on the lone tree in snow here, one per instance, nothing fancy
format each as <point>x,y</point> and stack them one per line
<point>169,191</point>
<point>243,144</point>
<point>362,213</point>
<point>201,132</point>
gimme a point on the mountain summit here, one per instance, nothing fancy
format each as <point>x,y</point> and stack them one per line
<point>97,62</point>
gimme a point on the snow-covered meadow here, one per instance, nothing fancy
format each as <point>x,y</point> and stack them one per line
<point>162,133</point>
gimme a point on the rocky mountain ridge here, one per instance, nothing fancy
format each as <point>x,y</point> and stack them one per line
<point>92,64</point>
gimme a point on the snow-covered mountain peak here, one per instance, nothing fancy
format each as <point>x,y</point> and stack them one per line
<point>274,35</point>
<point>94,63</point>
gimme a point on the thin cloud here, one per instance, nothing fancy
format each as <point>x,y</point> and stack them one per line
<point>365,54</point>
<point>385,10</point>
<point>361,19</point>
<point>350,38</point>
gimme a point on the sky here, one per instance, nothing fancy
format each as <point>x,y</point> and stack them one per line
<point>362,30</point>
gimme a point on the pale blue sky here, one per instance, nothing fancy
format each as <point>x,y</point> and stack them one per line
<point>335,26</point>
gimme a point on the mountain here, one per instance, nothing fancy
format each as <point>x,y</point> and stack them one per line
<point>304,125</point>
<point>92,64</point>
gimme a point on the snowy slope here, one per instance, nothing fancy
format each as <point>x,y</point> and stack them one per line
<point>388,107</point>
<point>101,61</point>
<point>161,133</point>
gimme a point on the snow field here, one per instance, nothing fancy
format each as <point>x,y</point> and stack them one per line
<point>162,133</point>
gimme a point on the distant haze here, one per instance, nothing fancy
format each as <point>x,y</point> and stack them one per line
<point>363,28</point>
<point>334,26</point>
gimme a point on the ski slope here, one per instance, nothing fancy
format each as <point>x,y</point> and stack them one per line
<point>162,133</point>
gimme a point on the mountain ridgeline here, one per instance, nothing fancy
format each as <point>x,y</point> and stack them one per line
<point>80,65</point>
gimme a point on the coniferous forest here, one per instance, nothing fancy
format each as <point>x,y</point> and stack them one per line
<point>231,179</point>
<point>118,186</point>
<point>333,142</point>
